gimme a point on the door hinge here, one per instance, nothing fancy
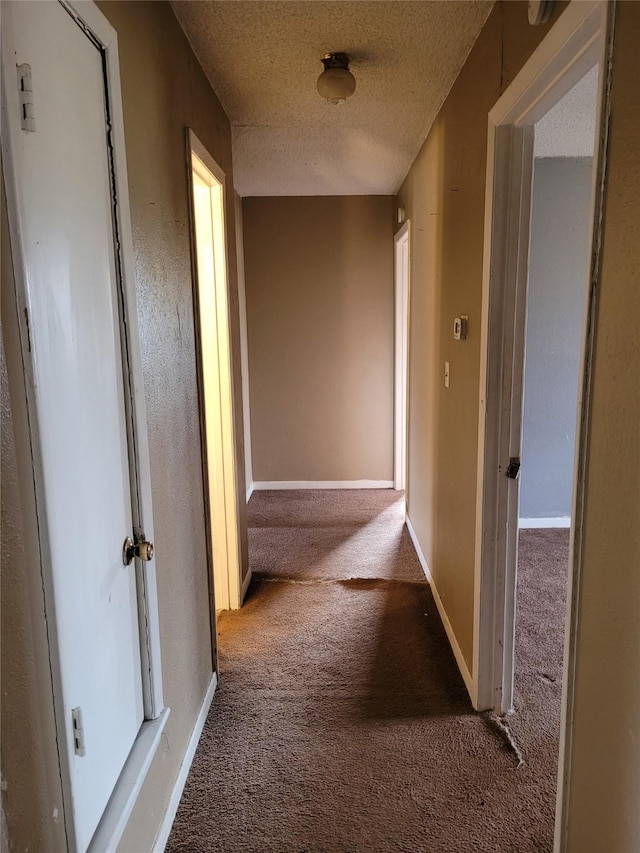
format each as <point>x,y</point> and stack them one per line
<point>513,470</point>
<point>25,91</point>
<point>78,732</point>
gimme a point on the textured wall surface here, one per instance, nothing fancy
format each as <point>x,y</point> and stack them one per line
<point>164,91</point>
<point>444,196</point>
<point>558,266</point>
<point>319,278</point>
<point>605,765</point>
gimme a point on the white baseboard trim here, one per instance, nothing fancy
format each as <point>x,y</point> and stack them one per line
<point>533,523</point>
<point>323,484</point>
<point>250,490</point>
<point>123,799</point>
<point>174,801</point>
<point>245,586</point>
<point>457,651</point>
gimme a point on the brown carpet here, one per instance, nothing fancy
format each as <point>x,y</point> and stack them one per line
<point>341,723</point>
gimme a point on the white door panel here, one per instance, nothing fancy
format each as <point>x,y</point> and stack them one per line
<point>66,217</point>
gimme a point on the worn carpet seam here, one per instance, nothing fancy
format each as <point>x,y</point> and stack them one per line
<point>329,580</point>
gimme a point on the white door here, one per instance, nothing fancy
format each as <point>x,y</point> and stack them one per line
<point>208,188</point>
<point>65,213</point>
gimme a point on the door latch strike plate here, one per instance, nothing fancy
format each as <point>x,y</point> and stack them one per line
<point>513,470</point>
<point>78,732</point>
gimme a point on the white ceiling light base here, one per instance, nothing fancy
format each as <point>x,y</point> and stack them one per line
<point>282,144</point>
<point>336,83</point>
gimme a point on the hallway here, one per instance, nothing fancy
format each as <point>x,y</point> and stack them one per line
<point>341,722</point>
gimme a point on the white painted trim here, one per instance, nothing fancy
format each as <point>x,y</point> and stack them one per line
<point>453,642</point>
<point>250,490</point>
<point>176,794</point>
<point>402,274</point>
<point>570,49</point>
<point>541,523</point>
<point>581,38</point>
<point>222,474</point>
<point>245,584</point>
<point>322,484</point>
<point>114,820</point>
<point>573,45</point>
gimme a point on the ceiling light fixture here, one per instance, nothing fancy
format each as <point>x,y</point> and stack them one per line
<point>336,83</point>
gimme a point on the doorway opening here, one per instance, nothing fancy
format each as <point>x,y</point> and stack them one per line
<point>555,334</point>
<point>215,375</point>
<point>579,43</point>
<point>556,299</point>
<point>401,266</point>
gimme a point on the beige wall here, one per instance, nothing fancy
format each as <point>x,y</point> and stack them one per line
<point>443,196</point>
<point>164,91</point>
<point>319,280</point>
<point>604,789</point>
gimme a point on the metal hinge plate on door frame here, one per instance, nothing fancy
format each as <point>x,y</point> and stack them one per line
<point>78,732</point>
<point>25,92</point>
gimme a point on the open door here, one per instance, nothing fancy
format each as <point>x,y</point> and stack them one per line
<point>576,44</point>
<point>401,258</point>
<point>214,366</point>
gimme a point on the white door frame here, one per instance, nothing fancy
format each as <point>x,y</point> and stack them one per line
<point>575,44</point>
<point>580,39</point>
<point>402,267</point>
<point>217,423</point>
<point>114,819</point>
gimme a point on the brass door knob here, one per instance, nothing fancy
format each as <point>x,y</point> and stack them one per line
<point>143,550</point>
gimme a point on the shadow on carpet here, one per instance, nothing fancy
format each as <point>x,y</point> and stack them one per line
<point>341,722</point>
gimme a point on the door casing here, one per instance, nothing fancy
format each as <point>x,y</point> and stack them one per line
<point>216,391</point>
<point>581,38</point>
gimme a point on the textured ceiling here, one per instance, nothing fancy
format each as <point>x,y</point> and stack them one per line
<point>263,60</point>
<point>569,129</point>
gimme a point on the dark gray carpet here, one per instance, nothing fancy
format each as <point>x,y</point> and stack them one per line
<point>341,722</point>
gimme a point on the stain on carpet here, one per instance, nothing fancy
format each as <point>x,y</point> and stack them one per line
<point>341,723</point>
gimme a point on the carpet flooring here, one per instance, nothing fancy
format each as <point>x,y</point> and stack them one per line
<point>341,723</point>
